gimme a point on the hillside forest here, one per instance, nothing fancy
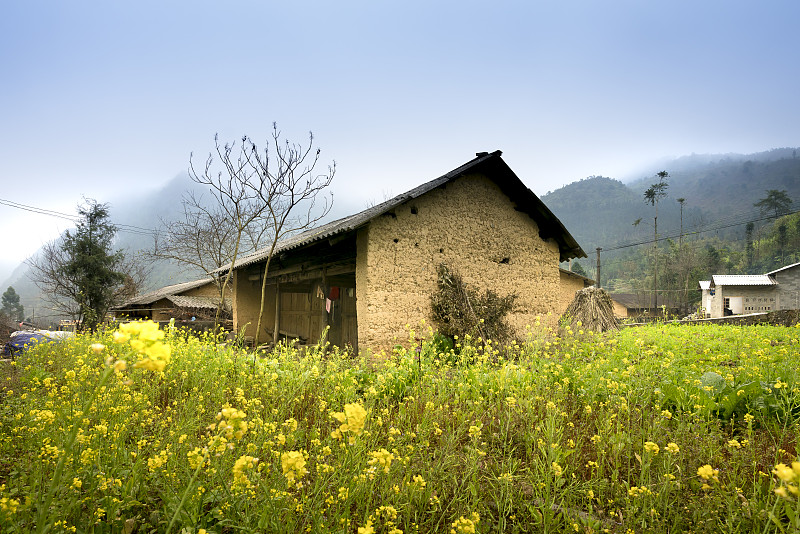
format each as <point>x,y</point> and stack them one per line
<point>713,219</point>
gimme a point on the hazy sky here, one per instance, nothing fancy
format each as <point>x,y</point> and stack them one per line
<point>107,99</point>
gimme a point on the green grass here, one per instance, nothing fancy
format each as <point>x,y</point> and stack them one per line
<point>570,433</point>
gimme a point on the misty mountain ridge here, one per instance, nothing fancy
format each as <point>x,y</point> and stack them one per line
<point>718,192</point>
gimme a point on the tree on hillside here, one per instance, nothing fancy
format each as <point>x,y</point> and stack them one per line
<point>80,275</point>
<point>269,193</point>
<point>652,196</point>
<point>776,202</point>
<point>11,305</point>
<point>783,240</point>
<point>749,248</point>
<point>577,268</point>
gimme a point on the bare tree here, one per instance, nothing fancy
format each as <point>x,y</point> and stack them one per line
<point>204,238</point>
<point>236,210</point>
<point>289,187</point>
<point>261,196</point>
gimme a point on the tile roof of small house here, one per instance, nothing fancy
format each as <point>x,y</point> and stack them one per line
<point>165,292</point>
<point>586,279</point>
<point>634,301</point>
<point>742,280</point>
<point>183,301</point>
<point>499,172</point>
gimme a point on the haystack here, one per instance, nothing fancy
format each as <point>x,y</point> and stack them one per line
<point>593,308</point>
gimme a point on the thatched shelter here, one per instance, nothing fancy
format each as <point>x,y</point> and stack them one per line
<point>591,306</point>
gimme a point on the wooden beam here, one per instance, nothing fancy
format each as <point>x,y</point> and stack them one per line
<point>298,273</point>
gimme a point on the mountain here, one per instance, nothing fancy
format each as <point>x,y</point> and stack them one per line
<point>719,193</point>
<point>731,185</point>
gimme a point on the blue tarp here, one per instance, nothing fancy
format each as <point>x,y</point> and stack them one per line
<point>25,338</point>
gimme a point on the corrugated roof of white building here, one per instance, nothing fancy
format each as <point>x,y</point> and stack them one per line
<point>705,284</point>
<point>743,280</point>
<point>784,268</point>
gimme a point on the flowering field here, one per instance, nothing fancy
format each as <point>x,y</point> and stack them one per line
<point>655,429</point>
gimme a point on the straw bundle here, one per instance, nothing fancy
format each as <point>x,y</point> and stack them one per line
<point>593,308</point>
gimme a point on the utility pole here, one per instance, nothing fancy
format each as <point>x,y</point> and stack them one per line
<point>598,267</point>
<point>681,265</point>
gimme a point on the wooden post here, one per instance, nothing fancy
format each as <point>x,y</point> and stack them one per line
<point>326,291</point>
<point>277,313</point>
<point>598,266</point>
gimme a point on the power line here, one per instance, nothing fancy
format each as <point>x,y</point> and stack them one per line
<point>697,232</point>
<point>37,210</point>
<point>128,228</point>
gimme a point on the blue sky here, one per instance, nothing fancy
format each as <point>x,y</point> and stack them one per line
<point>108,99</point>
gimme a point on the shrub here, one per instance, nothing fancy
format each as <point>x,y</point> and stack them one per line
<point>459,310</point>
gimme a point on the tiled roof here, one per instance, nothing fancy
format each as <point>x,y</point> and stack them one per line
<point>182,301</point>
<point>524,198</point>
<point>743,280</point>
<point>586,279</point>
<point>166,291</point>
<point>641,301</point>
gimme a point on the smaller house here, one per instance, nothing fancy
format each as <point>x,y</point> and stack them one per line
<point>569,284</point>
<point>641,305</point>
<point>738,294</point>
<point>196,299</point>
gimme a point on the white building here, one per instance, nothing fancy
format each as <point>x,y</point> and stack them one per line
<point>737,294</point>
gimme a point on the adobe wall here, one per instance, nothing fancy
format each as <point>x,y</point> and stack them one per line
<point>207,290</point>
<point>568,286</point>
<point>471,226</point>
<point>620,311</point>
<point>162,310</point>
<point>246,305</point>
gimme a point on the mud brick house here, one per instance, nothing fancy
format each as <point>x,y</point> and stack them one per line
<point>368,275</point>
<point>198,298</point>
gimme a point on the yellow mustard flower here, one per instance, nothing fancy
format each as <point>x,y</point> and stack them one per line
<point>293,464</point>
<point>240,467</point>
<point>464,525</point>
<point>707,472</point>
<point>786,473</point>
<point>651,447</point>
<point>382,458</point>
<point>352,420</point>
<point>557,470</point>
